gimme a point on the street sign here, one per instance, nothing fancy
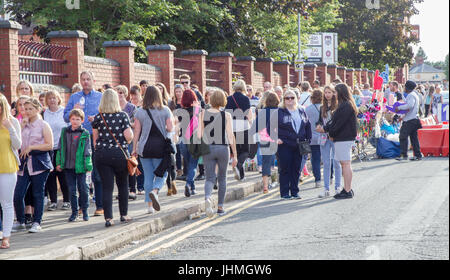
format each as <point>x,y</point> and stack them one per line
<point>299,65</point>
<point>443,112</point>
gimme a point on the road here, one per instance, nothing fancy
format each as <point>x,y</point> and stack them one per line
<point>400,211</point>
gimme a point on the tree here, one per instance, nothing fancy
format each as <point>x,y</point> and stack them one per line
<point>421,54</point>
<point>371,38</point>
<point>446,68</point>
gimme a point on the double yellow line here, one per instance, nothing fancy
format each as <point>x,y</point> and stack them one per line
<point>200,225</point>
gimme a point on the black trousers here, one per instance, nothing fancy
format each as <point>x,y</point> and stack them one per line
<point>409,129</point>
<point>111,163</point>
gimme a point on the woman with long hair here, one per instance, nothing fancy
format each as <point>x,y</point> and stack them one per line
<point>10,142</point>
<point>329,105</point>
<point>429,101</point>
<point>342,130</point>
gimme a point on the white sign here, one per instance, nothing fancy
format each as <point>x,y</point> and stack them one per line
<point>313,54</point>
<point>315,40</point>
<point>443,113</point>
<point>328,48</point>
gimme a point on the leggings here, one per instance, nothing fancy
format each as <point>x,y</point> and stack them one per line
<point>7,186</point>
<point>220,155</point>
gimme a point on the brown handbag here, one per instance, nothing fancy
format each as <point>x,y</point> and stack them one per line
<point>132,162</point>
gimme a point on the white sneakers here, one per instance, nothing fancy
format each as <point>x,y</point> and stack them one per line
<point>209,208</point>
<point>324,194</point>
<point>150,210</point>
<point>317,185</point>
<point>35,228</point>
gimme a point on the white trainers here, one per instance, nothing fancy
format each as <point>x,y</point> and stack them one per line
<point>317,185</point>
<point>209,208</point>
<point>324,194</point>
<point>338,190</point>
<point>52,207</point>
<point>35,228</point>
<point>18,227</point>
<point>237,174</point>
<point>150,210</point>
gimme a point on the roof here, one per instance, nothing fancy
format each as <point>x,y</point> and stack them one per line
<point>424,68</point>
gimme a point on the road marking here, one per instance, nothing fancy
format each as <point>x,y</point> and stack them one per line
<point>272,194</point>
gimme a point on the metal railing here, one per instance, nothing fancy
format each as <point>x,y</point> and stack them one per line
<point>41,63</point>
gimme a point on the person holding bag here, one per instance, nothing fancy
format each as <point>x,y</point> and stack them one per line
<point>152,125</point>
<point>112,133</point>
<point>294,133</point>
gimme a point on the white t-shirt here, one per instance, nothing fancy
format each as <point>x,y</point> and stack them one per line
<point>305,99</point>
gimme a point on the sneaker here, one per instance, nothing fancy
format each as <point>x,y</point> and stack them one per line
<point>193,192</point>
<point>187,192</point>
<point>401,158</point>
<point>150,210</point>
<point>317,184</point>
<point>324,194</point>
<point>18,227</point>
<point>208,208</point>
<point>154,198</point>
<point>237,174</point>
<point>200,177</point>
<point>344,195</point>
<point>415,159</point>
<point>73,217</point>
<point>85,216</point>
<point>338,190</point>
<point>35,228</point>
<point>52,207</point>
<point>65,206</point>
<point>28,220</point>
<point>181,178</point>
<point>296,196</point>
<point>287,197</point>
<point>221,212</point>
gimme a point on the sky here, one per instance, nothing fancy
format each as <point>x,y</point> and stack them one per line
<point>434,28</point>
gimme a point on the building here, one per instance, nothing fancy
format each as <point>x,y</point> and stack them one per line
<point>422,72</point>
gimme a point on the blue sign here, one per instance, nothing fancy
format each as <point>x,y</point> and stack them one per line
<point>385,75</point>
<point>443,112</point>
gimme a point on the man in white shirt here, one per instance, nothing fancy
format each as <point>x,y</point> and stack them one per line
<point>305,96</point>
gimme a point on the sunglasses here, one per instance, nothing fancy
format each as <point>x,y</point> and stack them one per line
<point>185,83</point>
<point>289,98</point>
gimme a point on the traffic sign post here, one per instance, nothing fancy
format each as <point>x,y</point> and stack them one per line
<point>299,64</point>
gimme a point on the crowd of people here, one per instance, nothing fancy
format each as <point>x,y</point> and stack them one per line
<point>188,136</point>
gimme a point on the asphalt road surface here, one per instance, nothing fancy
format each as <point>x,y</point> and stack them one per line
<point>400,211</point>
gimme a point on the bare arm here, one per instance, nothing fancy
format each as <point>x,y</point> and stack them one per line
<point>137,134</point>
<point>128,134</point>
<point>230,135</point>
<point>95,137</point>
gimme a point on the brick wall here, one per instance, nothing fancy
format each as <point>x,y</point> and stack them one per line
<point>147,72</point>
<point>276,79</point>
<point>259,80</point>
<point>106,71</point>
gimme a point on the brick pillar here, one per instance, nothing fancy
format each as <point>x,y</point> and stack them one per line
<point>163,57</point>
<point>199,68</point>
<point>283,68</point>
<point>322,74</point>
<point>310,73</point>
<point>350,77</point>
<point>371,75</point>
<point>249,72</point>
<point>358,75</point>
<point>342,73</point>
<point>227,69</point>
<point>332,70</point>
<point>122,52</point>
<point>74,55</point>
<point>364,76</point>
<point>265,66</point>
<point>9,58</point>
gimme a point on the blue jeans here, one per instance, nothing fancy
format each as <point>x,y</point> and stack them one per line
<point>315,162</point>
<point>192,166</point>
<point>289,167</point>
<point>151,181</point>
<point>259,157</point>
<point>178,157</point>
<point>23,183</point>
<point>74,182</point>
<point>327,152</point>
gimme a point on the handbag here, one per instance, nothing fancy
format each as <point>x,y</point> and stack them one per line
<point>304,147</point>
<point>154,147</point>
<point>132,163</point>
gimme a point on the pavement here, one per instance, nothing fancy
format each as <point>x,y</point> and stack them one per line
<point>61,240</point>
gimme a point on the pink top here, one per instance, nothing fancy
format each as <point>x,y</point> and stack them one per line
<point>32,134</point>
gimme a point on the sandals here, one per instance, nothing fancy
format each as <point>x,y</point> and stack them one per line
<point>5,244</point>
